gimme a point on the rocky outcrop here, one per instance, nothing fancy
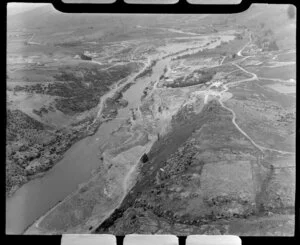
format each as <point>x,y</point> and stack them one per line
<point>144,158</point>
<point>85,57</point>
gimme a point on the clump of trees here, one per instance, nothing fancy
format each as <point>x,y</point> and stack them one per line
<point>266,39</point>
<point>81,87</point>
<point>204,77</point>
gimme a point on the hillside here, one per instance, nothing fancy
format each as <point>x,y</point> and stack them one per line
<point>156,123</point>
<point>259,18</point>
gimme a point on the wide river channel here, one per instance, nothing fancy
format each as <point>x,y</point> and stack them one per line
<point>38,196</point>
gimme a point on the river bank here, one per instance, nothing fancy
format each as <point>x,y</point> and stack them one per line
<point>85,156</point>
<point>86,129</point>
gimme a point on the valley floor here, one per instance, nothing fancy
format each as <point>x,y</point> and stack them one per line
<point>217,130</point>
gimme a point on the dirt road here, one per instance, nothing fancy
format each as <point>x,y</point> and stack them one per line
<point>254,77</point>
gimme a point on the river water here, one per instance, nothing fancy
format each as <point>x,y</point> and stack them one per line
<point>38,196</point>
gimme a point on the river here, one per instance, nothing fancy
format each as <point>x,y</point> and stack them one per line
<point>38,196</point>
